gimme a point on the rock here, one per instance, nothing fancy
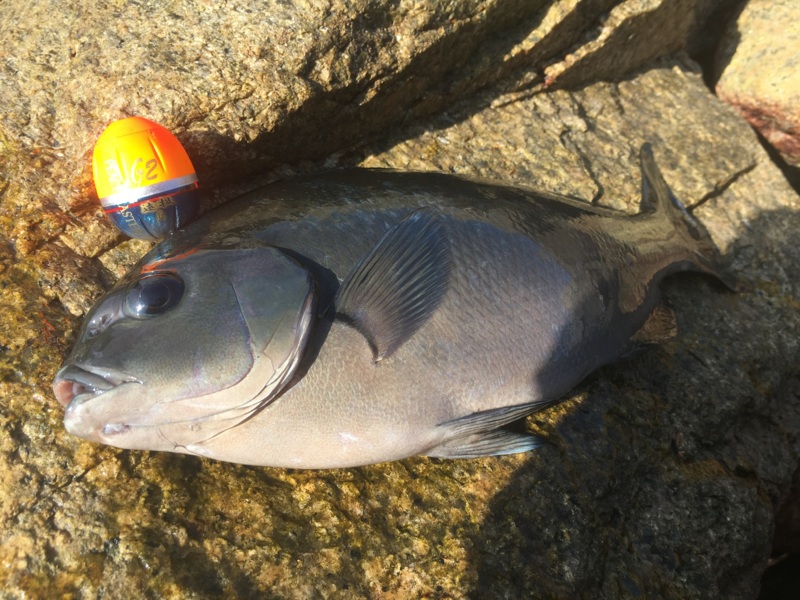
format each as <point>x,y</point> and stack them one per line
<point>662,475</point>
<point>758,67</point>
<point>629,35</point>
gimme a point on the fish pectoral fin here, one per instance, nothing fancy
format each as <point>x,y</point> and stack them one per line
<point>482,433</point>
<point>489,443</point>
<point>398,285</point>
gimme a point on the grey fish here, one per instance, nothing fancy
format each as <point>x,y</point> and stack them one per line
<point>358,316</point>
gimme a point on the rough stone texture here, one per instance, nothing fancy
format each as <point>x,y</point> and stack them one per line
<point>663,473</point>
<point>629,35</point>
<point>758,66</point>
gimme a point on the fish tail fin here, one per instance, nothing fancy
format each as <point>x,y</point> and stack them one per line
<point>659,201</point>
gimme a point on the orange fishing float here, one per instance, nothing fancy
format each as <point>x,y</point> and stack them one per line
<point>144,178</point>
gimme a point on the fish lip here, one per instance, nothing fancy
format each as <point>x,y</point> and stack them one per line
<point>74,384</point>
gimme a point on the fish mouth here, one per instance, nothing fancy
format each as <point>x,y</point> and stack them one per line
<point>78,384</point>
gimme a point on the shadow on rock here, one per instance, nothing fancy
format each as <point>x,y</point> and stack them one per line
<point>664,475</point>
<point>350,115</point>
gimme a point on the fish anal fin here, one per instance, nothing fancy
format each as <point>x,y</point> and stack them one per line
<point>482,433</point>
<point>398,285</point>
<point>490,443</point>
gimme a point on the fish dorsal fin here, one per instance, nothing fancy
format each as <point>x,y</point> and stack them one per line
<point>398,285</point>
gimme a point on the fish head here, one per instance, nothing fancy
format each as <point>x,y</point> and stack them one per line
<point>185,348</point>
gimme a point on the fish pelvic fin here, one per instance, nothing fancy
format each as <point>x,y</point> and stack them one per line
<point>659,202</point>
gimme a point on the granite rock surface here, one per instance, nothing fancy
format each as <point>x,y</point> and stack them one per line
<point>662,475</point>
<point>758,70</point>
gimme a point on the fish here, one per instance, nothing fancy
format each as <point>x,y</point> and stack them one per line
<point>359,316</point>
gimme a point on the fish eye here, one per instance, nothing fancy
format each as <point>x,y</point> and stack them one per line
<point>153,295</point>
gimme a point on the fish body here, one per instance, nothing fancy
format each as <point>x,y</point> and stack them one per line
<point>360,316</point>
